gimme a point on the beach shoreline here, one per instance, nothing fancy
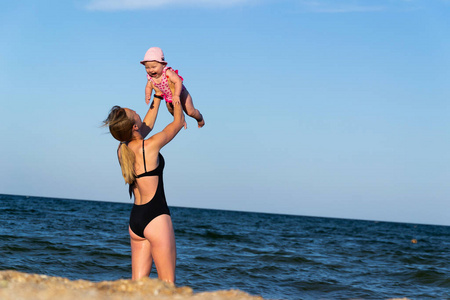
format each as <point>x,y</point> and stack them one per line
<point>17,285</point>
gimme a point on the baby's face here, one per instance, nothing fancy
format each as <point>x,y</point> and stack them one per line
<point>154,69</point>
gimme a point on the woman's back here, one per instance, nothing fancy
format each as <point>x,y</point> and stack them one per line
<point>149,167</point>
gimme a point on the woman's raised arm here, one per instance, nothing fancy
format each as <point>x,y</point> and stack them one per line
<point>161,139</point>
<point>150,118</point>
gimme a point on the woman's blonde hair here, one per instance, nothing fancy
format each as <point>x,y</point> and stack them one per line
<point>121,128</point>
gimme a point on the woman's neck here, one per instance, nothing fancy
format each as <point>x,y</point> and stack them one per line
<point>136,136</point>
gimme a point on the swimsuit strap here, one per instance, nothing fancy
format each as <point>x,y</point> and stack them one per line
<point>143,155</point>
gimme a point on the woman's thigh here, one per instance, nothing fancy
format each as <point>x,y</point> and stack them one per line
<point>159,232</point>
<point>141,256</point>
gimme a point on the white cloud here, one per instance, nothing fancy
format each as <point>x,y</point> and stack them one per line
<point>111,5</point>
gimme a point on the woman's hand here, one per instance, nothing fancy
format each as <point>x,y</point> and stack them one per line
<point>176,99</point>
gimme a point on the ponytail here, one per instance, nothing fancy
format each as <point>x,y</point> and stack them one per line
<point>121,128</point>
<point>127,159</point>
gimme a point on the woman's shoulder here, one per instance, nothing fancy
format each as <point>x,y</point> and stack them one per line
<point>150,151</point>
<point>150,145</point>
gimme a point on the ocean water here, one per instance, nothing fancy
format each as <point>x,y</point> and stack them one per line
<point>274,256</point>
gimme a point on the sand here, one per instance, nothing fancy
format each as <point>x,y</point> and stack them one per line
<point>22,286</point>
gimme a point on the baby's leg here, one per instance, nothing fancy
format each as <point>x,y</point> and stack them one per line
<point>188,106</point>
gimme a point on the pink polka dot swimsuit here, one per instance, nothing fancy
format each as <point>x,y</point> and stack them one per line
<point>163,86</point>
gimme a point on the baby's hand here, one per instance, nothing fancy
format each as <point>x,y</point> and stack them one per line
<point>147,98</point>
<point>176,100</point>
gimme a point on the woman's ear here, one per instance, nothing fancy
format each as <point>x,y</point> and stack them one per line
<point>135,127</point>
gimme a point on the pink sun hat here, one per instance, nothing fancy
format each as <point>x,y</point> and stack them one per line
<point>154,54</point>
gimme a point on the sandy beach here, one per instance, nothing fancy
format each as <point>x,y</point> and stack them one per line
<point>22,286</point>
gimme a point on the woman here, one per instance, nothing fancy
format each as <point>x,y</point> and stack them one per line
<point>151,233</point>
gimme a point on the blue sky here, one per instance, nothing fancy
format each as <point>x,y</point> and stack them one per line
<point>318,108</point>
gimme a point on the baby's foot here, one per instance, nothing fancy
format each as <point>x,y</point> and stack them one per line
<point>201,123</point>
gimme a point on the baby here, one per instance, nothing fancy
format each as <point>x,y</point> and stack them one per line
<point>168,85</point>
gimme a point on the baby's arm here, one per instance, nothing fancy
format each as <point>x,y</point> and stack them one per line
<point>173,77</point>
<point>148,91</point>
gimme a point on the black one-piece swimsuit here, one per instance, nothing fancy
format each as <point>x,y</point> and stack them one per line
<point>142,215</point>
